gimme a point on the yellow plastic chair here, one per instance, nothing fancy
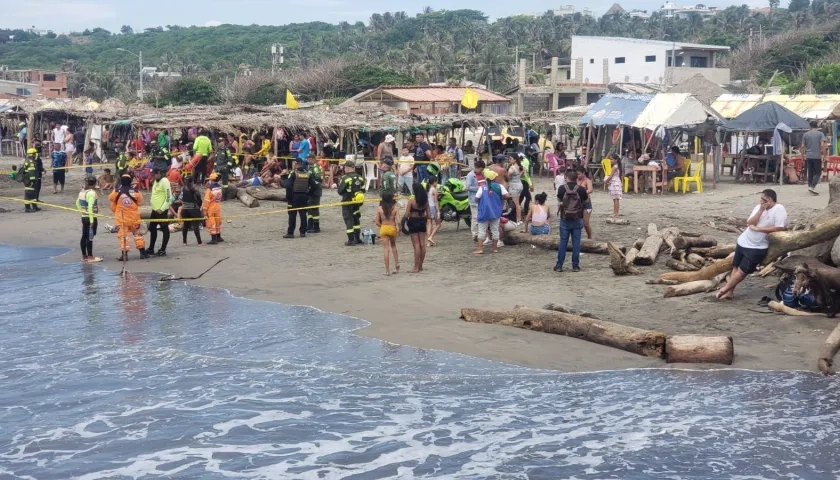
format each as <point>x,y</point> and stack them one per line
<point>626,184</point>
<point>681,180</point>
<point>606,164</point>
<point>697,179</point>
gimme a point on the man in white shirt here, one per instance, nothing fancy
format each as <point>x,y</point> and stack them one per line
<point>767,217</point>
<point>58,134</point>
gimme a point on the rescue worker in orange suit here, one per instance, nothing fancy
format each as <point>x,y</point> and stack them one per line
<point>299,185</point>
<point>212,209</point>
<point>125,203</point>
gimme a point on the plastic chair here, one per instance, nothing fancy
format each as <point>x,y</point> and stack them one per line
<point>626,184</point>
<point>606,164</point>
<point>552,165</point>
<point>831,165</point>
<point>371,174</point>
<point>697,179</point>
<point>681,180</point>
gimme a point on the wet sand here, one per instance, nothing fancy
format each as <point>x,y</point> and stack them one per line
<point>422,310</point>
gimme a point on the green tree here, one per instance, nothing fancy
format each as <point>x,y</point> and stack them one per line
<point>187,91</point>
<point>774,3</point>
<point>798,5</point>
<point>126,30</point>
<point>825,78</point>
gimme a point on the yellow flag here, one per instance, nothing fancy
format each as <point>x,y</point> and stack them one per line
<point>470,99</point>
<point>290,101</point>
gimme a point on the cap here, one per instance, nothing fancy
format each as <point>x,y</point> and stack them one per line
<point>388,160</point>
<point>390,138</point>
<point>349,164</point>
<point>499,159</point>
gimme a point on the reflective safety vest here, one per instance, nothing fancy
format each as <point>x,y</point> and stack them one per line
<point>301,185</point>
<point>88,202</point>
<point>30,173</point>
<point>122,163</point>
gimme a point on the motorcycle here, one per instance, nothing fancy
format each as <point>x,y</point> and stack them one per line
<point>454,202</point>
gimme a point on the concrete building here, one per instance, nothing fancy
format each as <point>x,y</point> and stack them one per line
<point>562,11</point>
<point>431,100</point>
<point>602,60</point>
<point>12,89</point>
<point>51,84</point>
<point>562,88</point>
<point>672,10</point>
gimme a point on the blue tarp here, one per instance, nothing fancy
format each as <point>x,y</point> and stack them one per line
<point>616,109</point>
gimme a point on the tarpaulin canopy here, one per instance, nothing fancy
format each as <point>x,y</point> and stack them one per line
<point>670,110</point>
<point>812,107</point>
<point>764,118</point>
<point>616,109</point>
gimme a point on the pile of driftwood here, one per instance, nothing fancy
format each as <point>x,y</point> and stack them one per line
<point>560,320</point>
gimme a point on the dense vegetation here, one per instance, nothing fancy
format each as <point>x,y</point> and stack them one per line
<point>433,46</point>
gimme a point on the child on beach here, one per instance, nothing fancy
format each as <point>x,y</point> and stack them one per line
<point>13,174</point>
<point>105,182</point>
<point>386,220</point>
<point>614,184</point>
<point>434,206</point>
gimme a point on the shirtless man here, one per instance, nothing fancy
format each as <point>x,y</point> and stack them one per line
<point>501,172</point>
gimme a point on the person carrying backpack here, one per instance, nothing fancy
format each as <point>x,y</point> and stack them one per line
<point>571,198</point>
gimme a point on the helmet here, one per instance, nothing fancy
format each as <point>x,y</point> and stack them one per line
<point>359,197</point>
<point>455,185</point>
<point>32,151</point>
<point>434,169</point>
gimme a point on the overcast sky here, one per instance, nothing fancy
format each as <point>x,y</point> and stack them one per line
<point>63,16</point>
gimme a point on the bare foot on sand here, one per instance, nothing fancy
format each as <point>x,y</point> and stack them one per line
<point>478,252</point>
<point>397,270</point>
<point>387,274</point>
<point>414,270</point>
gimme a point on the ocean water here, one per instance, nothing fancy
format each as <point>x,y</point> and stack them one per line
<point>109,377</point>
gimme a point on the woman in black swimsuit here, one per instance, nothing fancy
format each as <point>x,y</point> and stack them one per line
<point>416,215</point>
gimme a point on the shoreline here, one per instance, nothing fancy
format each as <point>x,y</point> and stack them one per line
<point>422,310</point>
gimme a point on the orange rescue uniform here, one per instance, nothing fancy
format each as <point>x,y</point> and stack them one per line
<point>212,208</point>
<point>126,208</point>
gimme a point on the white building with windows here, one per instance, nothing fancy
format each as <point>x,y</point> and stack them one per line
<point>602,60</point>
<point>672,10</point>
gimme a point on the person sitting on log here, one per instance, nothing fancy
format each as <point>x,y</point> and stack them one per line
<point>767,217</point>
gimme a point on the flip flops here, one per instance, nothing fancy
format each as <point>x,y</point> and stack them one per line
<point>764,301</point>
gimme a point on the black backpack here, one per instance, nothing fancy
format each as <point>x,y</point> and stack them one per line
<point>572,205</point>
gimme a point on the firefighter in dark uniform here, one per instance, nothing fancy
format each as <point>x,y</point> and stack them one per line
<point>224,165</point>
<point>351,187</point>
<point>122,161</point>
<point>39,174</point>
<point>160,157</point>
<point>30,172</point>
<point>314,212</point>
<point>299,185</point>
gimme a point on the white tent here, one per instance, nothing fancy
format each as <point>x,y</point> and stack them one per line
<point>670,110</point>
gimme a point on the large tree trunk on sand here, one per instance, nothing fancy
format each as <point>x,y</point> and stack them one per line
<point>262,193</point>
<point>822,250</point>
<point>706,273</point>
<point>650,249</point>
<point>552,242</point>
<point>780,244</point>
<point>690,288</point>
<point>825,360</point>
<point>782,308</point>
<point>634,340</point>
<point>243,197</point>
<point>699,349</point>
<point>683,243</point>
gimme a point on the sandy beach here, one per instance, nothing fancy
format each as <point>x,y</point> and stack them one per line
<point>422,310</point>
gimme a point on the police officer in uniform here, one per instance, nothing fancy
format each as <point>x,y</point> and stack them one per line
<point>39,175</point>
<point>299,185</point>
<point>351,187</point>
<point>225,164</point>
<point>314,212</point>
<point>160,157</point>
<point>30,172</point>
<point>122,161</point>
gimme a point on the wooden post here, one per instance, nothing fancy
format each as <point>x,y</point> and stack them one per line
<point>30,122</point>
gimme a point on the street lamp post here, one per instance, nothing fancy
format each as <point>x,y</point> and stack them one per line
<point>140,57</point>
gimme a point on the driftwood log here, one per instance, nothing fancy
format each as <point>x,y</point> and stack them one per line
<point>683,243</point>
<point>619,264</point>
<point>618,221</point>
<point>552,242</point>
<point>242,195</point>
<point>558,307</point>
<point>822,249</point>
<point>650,249</point>
<point>699,349</point>
<point>825,359</point>
<point>638,243</point>
<point>630,256</point>
<point>706,273</point>
<point>721,251</point>
<point>680,266</point>
<point>690,288</point>
<point>269,194</point>
<point>695,260</point>
<point>782,308</point>
<point>629,339</point>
